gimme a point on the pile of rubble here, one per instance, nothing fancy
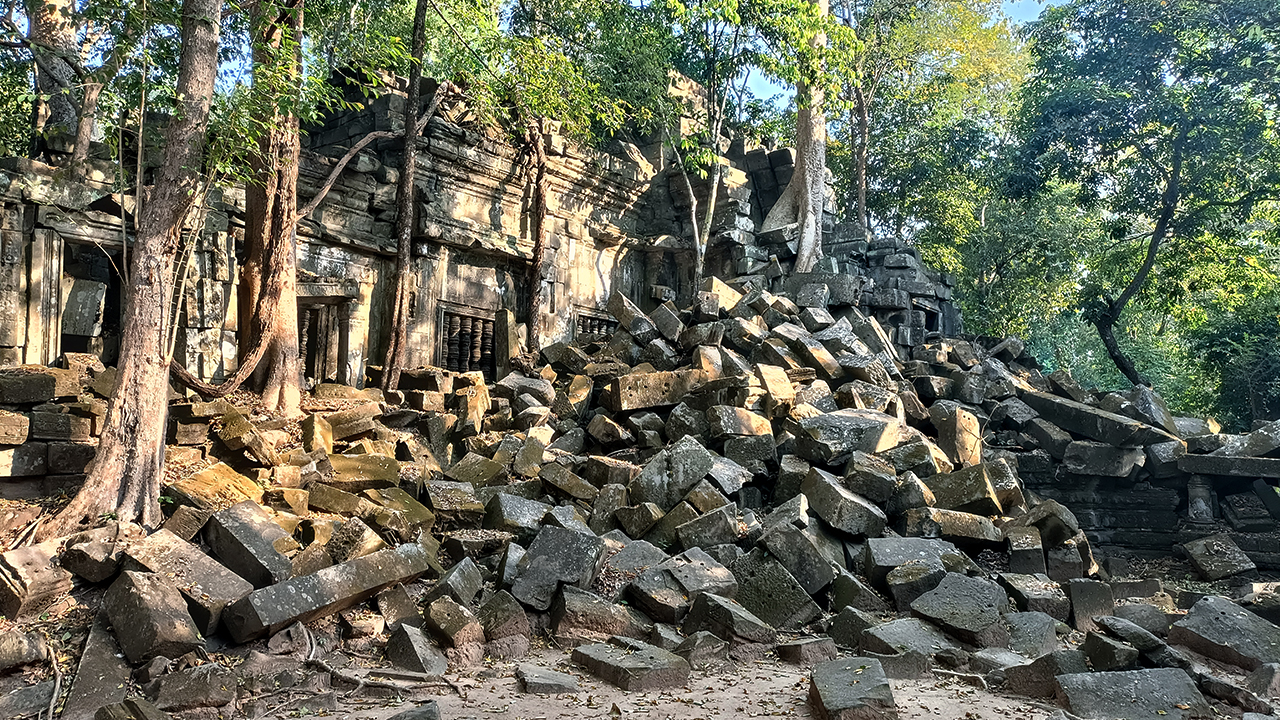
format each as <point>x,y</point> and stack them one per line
<point>761,474</point>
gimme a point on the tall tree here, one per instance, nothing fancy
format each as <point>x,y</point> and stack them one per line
<point>804,198</point>
<point>1164,112</point>
<point>406,203</point>
<point>124,478</point>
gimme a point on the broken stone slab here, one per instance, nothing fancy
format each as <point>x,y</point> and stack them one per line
<point>959,527</point>
<point>324,592</point>
<point>1218,628</point>
<point>556,556</point>
<point>639,391</point>
<point>214,488</point>
<point>541,681</point>
<point>357,473</point>
<point>968,490</point>
<point>102,675</point>
<point>799,552</point>
<point>14,428</point>
<point>151,617</point>
<point>407,517</point>
<point>717,527</point>
<point>807,650</point>
<point>1247,467</point>
<point>1095,424</point>
<point>1026,553</point>
<point>1089,599</point>
<point>1217,556</point>
<point>238,433</point>
<point>704,651</point>
<point>564,480</point>
<point>1055,522</point>
<point>1032,634</point>
<point>1084,457</point>
<point>452,623</point>
<point>831,437</point>
<point>519,516</point>
<point>849,590</point>
<point>664,591</point>
<point>1037,593</point>
<point>911,580</point>
<point>249,543</point>
<point>131,709</point>
<point>1108,655</point>
<point>843,509</point>
<point>1036,679</point>
<point>353,539</point>
<point>203,686</point>
<point>967,608</point>
<point>727,620</point>
<point>29,701</point>
<point>910,634</point>
<point>1157,694</point>
<point>462,582</point>
<point>580,616</point>
<point>846,627</point>
<point>20,648</point>
<point>633,665</point>
<point>208,586</point>
<point>851,689</point>
<point>770,592</point>
<point>881,555</point>
<point>30,578</point>
<point>959,433</point>
<point>409,648</point>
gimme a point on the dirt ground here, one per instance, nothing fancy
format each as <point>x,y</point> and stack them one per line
<point>765,688</point>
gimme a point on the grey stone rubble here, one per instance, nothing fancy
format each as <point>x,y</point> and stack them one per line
<point>679,500</point>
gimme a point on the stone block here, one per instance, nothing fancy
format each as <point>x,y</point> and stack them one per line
<point>1108,655</point>
<point>452,623</point>
<point>633,665</point>
<point>1036,679</point>
<point>1036,593</point>
<point>1094,458</point>
<point>246,540</point>
<point>207,585</point>
<point>1032,634</point>
<point>324,592</point>
<point>1219,629</point>
<point>728,620</point>
<point>664,591</point>
<point>967,608</point>
<point>541,681</point>
<point>1089,598</point>
<point>1217,557</point>
<point>910,634</point>
<point>1158,694</point>
<point>769,591</point>
<point>807,650</point>
<point>151,617</point>
<point>556,556</point>
<point>966,490</point>
<point>409,648</point>
<point>639,391</point>
<point>102,675</point>
<point>841,508</point>
<point>851,689</point>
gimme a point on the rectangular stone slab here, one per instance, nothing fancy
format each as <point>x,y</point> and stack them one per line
<point>1230,466</point>
<point>1095,424</point>
<point>646,390</point>
<point>102,677</point>
<point>207,585</point>
<point>1160,694</point>
<point>324,592</point>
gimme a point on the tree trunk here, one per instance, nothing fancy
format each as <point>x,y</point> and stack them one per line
<point>538,228</point>
<point>124,478</point>
<point>406,203</point>
<point>1106,331</point>
<point>861,148</point>
<point>1105,323</point>
<point>269,277</point>
<point>803,199</point>
<point>53,36</point>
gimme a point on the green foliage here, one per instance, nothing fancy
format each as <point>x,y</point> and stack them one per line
<point>15,106</point>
